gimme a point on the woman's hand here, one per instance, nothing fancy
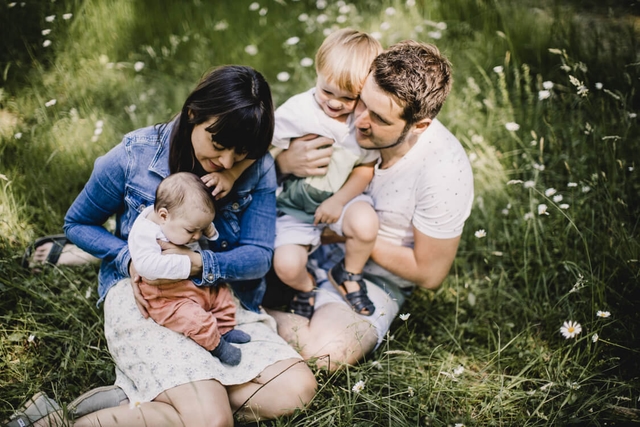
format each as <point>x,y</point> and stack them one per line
<point>306,156</point>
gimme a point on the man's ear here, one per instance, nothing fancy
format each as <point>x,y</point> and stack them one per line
<point>421,126</point>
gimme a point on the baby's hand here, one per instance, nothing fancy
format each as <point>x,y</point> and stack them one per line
<point>220,183</point>
<point>328,212</point>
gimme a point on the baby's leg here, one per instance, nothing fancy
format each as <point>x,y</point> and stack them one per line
<point>182,308</point>
<point>290,264</point>
<point>360,228</point>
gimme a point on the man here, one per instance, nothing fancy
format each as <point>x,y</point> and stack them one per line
<point>422,192</point>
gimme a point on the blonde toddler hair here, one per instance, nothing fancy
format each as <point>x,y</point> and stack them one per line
<point>345,56</point>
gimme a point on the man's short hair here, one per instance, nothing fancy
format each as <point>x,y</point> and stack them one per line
<point>182,191</point>
<point>416,75</point>
<point>345,56</point>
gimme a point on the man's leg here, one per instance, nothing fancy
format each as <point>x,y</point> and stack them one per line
<point>335,335</point>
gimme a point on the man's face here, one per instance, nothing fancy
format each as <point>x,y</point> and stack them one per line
<point>378,123</point>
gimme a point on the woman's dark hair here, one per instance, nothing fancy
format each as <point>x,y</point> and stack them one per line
<point>240,99</point>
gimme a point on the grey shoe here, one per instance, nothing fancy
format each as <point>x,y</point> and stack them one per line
<point>96,399</point>
<point>39,407</point>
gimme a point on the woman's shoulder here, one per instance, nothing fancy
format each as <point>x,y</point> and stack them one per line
<point>260,174</point>
<point>150,135</point>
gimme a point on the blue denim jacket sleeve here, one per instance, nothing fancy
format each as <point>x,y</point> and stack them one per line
<point>252,215</point>
<point>102,196</point>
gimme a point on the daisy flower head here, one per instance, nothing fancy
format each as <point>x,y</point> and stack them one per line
<point>550,192</point>
<point>251,49</point>
<point>480,234</point>
<point>498,69</point>
<point>404,316</point>
<point>292,41</point>
<point>547,85</point>
<point>358,387</point>
<point>283,76</point>
<point>512,126</point>
<point>544,94</point>
<point>603,314</point>
<point>542,209</point>
<point>570,329</point>
<point>595,337</point>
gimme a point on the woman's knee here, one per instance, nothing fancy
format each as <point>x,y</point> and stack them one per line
<point>299,390</point>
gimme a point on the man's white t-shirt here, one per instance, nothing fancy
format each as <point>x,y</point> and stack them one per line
<point>430,188</point>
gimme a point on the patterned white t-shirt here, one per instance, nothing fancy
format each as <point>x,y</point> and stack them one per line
<point>430,188</point>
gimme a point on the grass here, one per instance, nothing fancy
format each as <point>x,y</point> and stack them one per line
<point>485,348</point>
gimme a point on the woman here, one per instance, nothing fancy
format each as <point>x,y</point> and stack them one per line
<point>227,118</point>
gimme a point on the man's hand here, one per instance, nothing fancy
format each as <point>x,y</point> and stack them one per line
<point>306,156</point>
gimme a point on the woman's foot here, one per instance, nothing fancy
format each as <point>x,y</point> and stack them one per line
<point>39,410</point>
<point>96,399</point>
<point>55,250</point>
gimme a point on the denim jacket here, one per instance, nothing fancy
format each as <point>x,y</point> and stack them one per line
<point>124,181</point>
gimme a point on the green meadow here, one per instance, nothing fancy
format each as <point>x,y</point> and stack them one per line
<point>545,101</point>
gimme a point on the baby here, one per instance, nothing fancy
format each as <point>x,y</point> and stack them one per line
<point>183,212</point>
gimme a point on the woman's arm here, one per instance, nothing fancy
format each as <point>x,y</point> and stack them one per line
<point>102,196</point>
<point>251,259</point>
<point>306,156</point>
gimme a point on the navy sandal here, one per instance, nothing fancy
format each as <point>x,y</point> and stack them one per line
<point>303,303</point>
<point>358,300</point>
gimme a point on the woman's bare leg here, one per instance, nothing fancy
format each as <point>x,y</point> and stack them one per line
<point>278,390</point>
<point>70,255</point>
<point>199,404</point>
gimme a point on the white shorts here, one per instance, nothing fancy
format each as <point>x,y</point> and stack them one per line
<point>382,290</point>
<point>292,231</point>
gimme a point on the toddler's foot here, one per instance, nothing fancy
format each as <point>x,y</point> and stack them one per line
<point>357,298</point>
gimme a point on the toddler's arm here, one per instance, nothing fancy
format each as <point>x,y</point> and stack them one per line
<point>330,210</point>
<point>222,182</point>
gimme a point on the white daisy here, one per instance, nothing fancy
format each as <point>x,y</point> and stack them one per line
<point>480,233</point>
<point>358,387</point>
<point>404,316</point>
<point>512,126</point>
<point>603,314</point>
<point>570,329</point>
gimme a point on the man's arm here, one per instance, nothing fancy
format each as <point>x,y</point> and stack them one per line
<point>306,156</point>
<point>426,265</point>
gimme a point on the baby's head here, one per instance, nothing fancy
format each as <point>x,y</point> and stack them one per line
<point>342,65</point>
<point>185,207</point>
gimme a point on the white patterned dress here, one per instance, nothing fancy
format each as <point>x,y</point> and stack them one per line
<point>151,359</point>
